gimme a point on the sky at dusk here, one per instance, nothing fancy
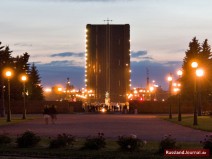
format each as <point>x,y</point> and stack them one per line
<point>53,33</point>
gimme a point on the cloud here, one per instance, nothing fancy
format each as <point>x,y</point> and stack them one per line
<point>61,63</point>
<point>147,58</point>
<point>172,63</point>
<point>140,56</point>
<point>23,44</point>
<point>68,54</point>
<point>138,53</point>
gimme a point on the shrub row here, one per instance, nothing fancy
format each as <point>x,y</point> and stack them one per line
<point>126,143</point>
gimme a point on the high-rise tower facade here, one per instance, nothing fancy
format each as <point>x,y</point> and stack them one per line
<point>108,61</point>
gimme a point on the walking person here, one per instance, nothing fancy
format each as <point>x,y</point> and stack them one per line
<point>53,113</point>
<point>46,115</point>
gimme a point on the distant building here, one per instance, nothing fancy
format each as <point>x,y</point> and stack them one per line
<point>108,61</point>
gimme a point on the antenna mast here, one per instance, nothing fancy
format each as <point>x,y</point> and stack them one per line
<point>108,21</point>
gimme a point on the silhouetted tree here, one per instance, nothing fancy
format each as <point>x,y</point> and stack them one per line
<point>201,54</point>
<point>187,80</point>
<point>6,60</point>
<point>21,66</point>
<point>204,83</point>
<point>35,87</point>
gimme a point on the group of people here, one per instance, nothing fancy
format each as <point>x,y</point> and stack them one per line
<point>50,112</point>
<point>98,107</point>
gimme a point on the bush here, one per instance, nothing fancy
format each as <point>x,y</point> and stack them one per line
<point>95,143</point>
<point>27,139</point>
<point>130,143</point>
<point>62,140</point>
<point>167,143</point>
<point>5,139</point>
<point>207,143</point>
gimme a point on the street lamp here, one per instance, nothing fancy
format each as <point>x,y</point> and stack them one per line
<point>23,79</point>
<point>199,73</point>
<point>8,74</point>
<point>3,102</point>
<point>195,65</point>
<point>179,73</point>
<point>151,89</point>
<point>170,90</point>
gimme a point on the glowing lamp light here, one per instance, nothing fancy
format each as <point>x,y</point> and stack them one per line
<point>8,74</point>
<point>48,90</point>
<point>59,89</point>
<point>135,91</point>
<point>151,89</point>
<point>103,110</point>
<point>23,78</point>
<point>179,72</point>
<point>194,64</point>
<point>199,72</point>
<point>176,90</point>
<point>174,84</point>
<point>169,78</point>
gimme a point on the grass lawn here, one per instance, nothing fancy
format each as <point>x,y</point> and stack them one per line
<point>204,122</point>
<point>17,118</point>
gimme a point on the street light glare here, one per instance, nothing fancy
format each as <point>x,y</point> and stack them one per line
<point>179,72</point>
<point>151,89</point>
<point>169,78</point>
<point>194,64</point>
<point>8,73</point>
<point>23,78</point>
<point>199,72</point>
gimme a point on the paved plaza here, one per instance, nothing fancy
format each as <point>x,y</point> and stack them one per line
<point>146,127</point>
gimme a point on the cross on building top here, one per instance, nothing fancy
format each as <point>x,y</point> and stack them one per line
<point>108,20</point>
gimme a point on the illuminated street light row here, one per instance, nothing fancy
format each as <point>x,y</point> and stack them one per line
<point>8,73</point>
<point>176,89</point>
<point>199,72</point>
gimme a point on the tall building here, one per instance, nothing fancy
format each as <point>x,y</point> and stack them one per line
<point>108,61</point>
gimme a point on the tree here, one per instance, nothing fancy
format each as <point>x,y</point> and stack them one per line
<point>201,54</point>
<point>35,87</point>
<point>5,61</point>
<point>21,66</point>
<point>2,107</point>
<point>1,66</point>
<point>205,85</point>
<point>192,54</point>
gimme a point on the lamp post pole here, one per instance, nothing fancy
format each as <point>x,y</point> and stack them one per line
<point>3,102</point>
<point>170,90</point>
<point>199,73</point>
<point>195,65</point>
<point>179,73</point>
<point>8,75</point>
<point>24,78</point>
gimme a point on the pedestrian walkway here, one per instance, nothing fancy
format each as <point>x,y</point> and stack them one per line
<point>146,127</point>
